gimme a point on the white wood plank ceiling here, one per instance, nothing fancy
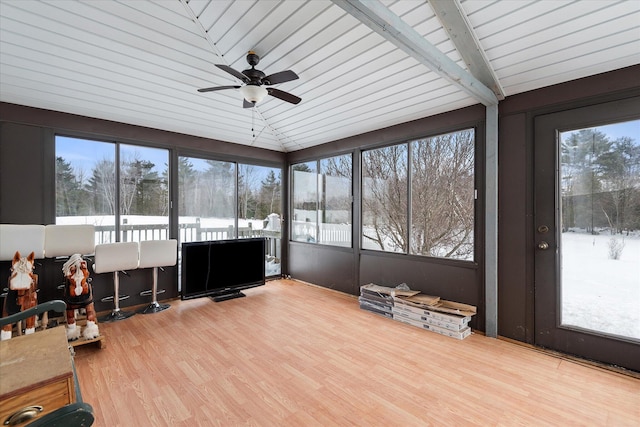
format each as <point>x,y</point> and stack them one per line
<point>141,62</point>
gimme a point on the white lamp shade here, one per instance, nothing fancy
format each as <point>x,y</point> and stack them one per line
<point>253,93</point>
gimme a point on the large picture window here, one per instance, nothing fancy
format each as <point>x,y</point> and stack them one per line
<point>442,196</point>
<point>322,201</point>
<point>105,183</point>
<point>419,197</point>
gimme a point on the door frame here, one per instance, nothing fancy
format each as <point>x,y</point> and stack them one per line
<point>549,333</point>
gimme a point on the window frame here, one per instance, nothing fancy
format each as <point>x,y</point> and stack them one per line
<point>320,193</point>
<point>477,179</point>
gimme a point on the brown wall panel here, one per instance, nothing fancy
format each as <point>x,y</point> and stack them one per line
<point>515,281</point>
<point>22,167</point>
<point>74,125</point>
<point>323,266</point>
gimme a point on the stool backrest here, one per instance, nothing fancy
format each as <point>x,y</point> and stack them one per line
<point>158,253</point>
<point>25,238</point>
<point>66,240</point>
<point>120,256</point>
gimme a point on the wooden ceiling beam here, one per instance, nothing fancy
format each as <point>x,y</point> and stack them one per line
<point>380,19</point>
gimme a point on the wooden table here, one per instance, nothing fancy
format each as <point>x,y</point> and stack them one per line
<point>36,369</point>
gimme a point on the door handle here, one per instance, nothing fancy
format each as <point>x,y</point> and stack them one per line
<point>543,246</point>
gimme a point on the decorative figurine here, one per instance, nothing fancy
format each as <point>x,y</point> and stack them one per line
<point>79,295</point>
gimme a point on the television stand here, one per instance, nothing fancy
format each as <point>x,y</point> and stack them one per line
<point>225,297</point>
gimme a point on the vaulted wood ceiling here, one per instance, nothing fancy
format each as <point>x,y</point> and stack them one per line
<point>141,62</point>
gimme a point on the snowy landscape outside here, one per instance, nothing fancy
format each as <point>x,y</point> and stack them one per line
<point>600,219</point>
<point>600,293</point>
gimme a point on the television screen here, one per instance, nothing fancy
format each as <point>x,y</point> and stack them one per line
<point>222,268</point>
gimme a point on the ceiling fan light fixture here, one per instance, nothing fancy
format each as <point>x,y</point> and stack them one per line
<point>253,93</point>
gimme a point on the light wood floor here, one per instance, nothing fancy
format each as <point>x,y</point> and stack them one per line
<point>291,354</point>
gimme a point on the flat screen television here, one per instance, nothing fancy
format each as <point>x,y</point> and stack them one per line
<point>221,269</point>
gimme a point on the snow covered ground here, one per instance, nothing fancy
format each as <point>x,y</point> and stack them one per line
<point>600,293</point>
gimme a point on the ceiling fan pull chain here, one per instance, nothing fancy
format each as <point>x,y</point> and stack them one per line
<point>253,111</point>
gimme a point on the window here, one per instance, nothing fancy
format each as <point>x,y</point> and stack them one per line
<point>600,215</point>
<point>144,193</point>
<point>206,199</point>
<point>322,201</point>
<point>259,197</point>
<point>419,197</point>
<point>85,182</point>
<point>105,183</point>
<point>260,210</point>
<point>384,198</point>
<point>442,196</point>
<point>305,202</point>
<point>335,200</point>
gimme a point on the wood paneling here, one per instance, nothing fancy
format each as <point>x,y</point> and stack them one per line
<point>326,266</point>
<point>22,166</point>
<point>514,255</point>
<point>291,354</point>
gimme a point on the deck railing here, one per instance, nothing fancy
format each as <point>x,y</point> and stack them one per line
<point>191,232</point>
<point>330,234</point>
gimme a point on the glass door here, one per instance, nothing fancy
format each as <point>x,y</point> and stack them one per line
<point>587,235</point>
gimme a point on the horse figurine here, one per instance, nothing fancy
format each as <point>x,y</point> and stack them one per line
<point>22,293</point>
<point>79,294</point>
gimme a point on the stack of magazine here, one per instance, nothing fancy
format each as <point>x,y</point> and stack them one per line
<point>414,308</point>
<point>376,299</point>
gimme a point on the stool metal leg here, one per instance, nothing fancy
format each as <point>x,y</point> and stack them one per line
<point>154,307</point>
<point>116,313</point>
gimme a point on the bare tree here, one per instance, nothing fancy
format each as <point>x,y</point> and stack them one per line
<point>102,186</point>
<point>442,184</point>
<point>384,197</point>
<point>441,209</point>
<point>247,184</point>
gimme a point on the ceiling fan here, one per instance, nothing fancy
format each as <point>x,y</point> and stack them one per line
<point>254,81</point>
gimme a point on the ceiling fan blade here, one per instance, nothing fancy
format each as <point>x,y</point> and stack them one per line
<point>285,96</point>
<point>211,89</point>
<point>247,104</point>
<point>233,72</point>
<point>281,77</point>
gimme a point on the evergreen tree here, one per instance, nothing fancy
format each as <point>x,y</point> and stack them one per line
<point>187,188</point>
<point>68,190</point>
<point>269,196</point>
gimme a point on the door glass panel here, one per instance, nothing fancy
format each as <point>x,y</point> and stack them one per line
<point>600,236</point>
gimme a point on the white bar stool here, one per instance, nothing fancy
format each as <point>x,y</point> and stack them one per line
<point>113,258</point>
<point>25,239</point>
<point>66,240</point>
<point>157,254</point>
